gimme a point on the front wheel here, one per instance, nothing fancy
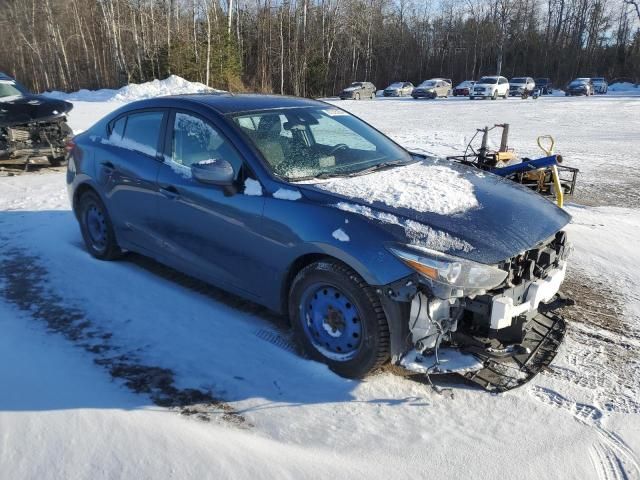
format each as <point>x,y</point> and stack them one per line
<point>495,95</point>
<point>337,319</point>
<point>357,96</point>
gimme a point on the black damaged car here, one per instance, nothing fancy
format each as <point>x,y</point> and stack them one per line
<point>31,125</point>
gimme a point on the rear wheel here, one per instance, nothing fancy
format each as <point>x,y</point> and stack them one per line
<point>338,320</point>
<point>97,230</point>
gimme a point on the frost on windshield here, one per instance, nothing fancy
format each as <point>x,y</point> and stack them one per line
<point>421,186</point>
<point>417,233</point>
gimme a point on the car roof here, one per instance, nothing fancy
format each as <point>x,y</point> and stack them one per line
<point>225,103</point>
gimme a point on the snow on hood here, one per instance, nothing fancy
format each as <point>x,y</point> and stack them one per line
<point>351,89</point>
<point>420,186</point>
<point>172,85</point>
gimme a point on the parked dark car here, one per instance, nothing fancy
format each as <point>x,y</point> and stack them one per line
<point>545,85</point>
<point>289,203</point>
<point>31,125</point>
<point>358,91</point>
<point>464,88</point>
<point>579,86</point>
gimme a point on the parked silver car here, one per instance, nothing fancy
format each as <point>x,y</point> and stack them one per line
<point>358,90</point>
<point>600,85</point>
<point>519,85</point>
<point>433,88</point>
<point>399,89</point>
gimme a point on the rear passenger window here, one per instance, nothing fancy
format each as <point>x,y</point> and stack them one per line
<point>142,132</point>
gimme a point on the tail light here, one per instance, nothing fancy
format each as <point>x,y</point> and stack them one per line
<point>70,145</point>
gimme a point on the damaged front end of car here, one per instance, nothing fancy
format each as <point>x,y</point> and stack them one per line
<point>31,126</point>
<point>496,325</point>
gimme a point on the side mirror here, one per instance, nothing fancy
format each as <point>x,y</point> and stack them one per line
<point>213,172</point>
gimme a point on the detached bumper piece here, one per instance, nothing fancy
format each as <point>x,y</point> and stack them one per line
<point>508,366</point>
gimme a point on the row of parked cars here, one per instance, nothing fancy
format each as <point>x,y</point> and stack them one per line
<point>487,87</point>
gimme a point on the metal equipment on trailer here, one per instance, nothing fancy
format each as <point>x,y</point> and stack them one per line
<point>546,175</point>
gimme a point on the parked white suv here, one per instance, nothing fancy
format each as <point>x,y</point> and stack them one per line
<point>519,85</point>
<point>490,87</point>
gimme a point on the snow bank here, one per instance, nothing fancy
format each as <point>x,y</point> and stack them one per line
<point>626,87</point>
<point>173,85</point>
<point>424,187</point>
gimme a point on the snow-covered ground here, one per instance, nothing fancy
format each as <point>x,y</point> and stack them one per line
<point>77,335</point>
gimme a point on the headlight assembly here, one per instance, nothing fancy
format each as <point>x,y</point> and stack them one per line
<point>447,275</point>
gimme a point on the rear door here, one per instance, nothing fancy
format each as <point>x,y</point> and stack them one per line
<point>208,230</point>
<point>127,163</point>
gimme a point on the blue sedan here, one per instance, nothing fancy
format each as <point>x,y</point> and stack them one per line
<point>373,252</point>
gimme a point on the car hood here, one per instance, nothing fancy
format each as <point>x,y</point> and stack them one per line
<point>31,108</point>
<point>445,206</point>
<point>484,85</point>
<point>352,89</point>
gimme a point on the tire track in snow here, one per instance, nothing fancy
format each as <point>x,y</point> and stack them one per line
<point>612,457</point>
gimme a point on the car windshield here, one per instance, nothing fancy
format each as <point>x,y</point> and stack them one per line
<point>466,83</point>
<point>488,80</point>
<point>356,84</point>
<point>8,88</point>
<point>305,143</point>
<point>519,80</point>
<point>576,83</point>
<point>428,83</point>
<point>597,80</point>
<point>396,85</point>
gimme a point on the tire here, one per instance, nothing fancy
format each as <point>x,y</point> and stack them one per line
<point>495,95</point>
<point>55,161</point>
<point>471,97</point>
<point>349,330</point>
<point>356,96</point>
<point>96,227</point>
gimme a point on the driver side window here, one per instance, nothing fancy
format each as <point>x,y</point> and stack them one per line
<point>196,140</point>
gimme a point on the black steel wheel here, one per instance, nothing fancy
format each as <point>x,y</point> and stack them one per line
<point>337,319</point>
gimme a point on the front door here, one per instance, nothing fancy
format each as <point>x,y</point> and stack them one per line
<point>204,229</point>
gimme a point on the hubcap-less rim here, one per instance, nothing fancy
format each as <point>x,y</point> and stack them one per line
<point>96,227</point>
<point>332,323</point>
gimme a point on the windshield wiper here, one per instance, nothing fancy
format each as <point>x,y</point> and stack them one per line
<point>382,166</point>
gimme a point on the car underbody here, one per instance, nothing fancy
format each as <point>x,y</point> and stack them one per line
<point>499,339</point>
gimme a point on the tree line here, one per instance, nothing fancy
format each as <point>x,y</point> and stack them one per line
<point>313,47</point>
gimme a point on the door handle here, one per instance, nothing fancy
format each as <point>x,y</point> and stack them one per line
<point>170,191</point>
